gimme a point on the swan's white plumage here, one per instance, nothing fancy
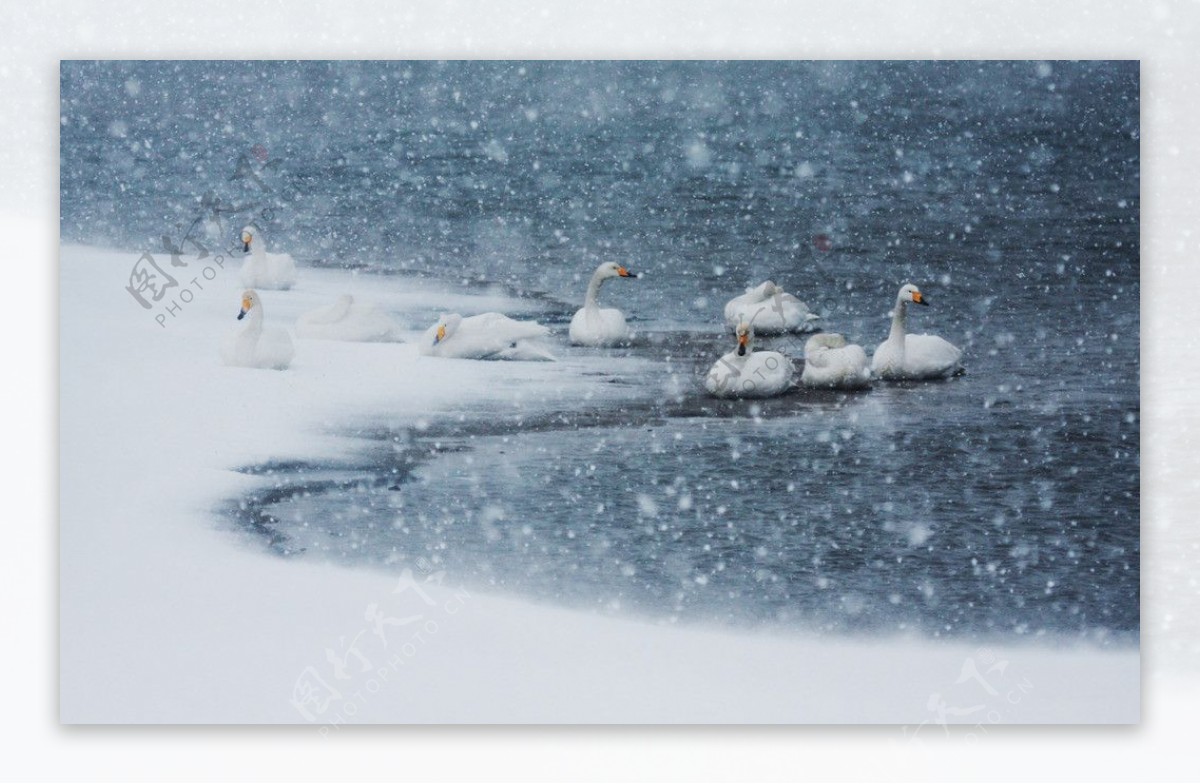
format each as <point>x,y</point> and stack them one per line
<point>771,309</point>
<point>348,320</point>
<point>744,372</point>
<point>486,336</point>
<point>252,345</point>
<point>905,357</point>
<point>832,363</point>
<point>263,270</point>
<point>596,326</point>
<point>599,327</point>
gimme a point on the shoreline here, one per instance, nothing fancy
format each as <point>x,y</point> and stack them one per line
<point>157,601</point>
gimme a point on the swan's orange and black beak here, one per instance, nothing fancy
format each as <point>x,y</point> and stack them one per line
<point>246,305</point>
<point>441,334</point>
<point>919,298</point>
<point>743,342</point>
<point>247,238</point>
<point>625,273</point>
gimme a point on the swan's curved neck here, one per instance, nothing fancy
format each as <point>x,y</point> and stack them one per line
<point>341,308</point>
<point>899,316</point>
<point>593,291</point>
<point>253,319</point>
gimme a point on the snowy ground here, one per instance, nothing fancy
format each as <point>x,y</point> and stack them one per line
<point>167,615</point>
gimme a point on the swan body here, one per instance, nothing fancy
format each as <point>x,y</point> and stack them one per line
<point>262,270</point>
<point>831,363</point>
<point>905,357</point>
<point>347,320</point>
<point>252,345</point>
<point>486,336</point>
<point>744,372</point>
<point>596,326</point>
<point>771,309</point>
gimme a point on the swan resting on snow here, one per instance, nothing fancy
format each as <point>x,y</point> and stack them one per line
<point>744,372</point>
<point>347,320</point>
<point>913,357</point>
<point>252,346</point>
<point>486,336</point>
<point>772,310</point>
<point>262,270</point>
<point>831,363</point>
<point>596,326</point>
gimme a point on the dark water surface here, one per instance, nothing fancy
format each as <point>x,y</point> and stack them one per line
<point>1004,501</point>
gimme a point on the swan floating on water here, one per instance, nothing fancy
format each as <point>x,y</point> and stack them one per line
<point>746,373</point>
<point>347,320</point>
<point>832,363</point>
<point>913,357</point>
<point>596,326</point>
<point>772,309</point>
<point>262,270</point>
<point>486,336</point>
<point>252,346</point>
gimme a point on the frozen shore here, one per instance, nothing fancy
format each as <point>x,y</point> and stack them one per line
<point>167,616</point>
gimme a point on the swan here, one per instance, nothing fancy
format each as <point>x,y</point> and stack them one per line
<point>347,320</point>
<point>830,362</point>
<point>746,373</point>
<point>254,347</point>
<point>264,270</point>
<point>913,357</point>
<point>486,336</point>
<point>596,326</point>
<point>772,309</point>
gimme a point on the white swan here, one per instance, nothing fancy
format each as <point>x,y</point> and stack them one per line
<point>262,270</point>
<point>772,309</point>
<point>746,373</point>
<point>596,326</point>
<point>486,336</point>
<point>913,357</point>
<point>347,320</point>
<point>830,362</point>
<point>252,346</point>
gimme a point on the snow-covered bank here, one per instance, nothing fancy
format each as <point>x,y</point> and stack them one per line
<point>167,618</point>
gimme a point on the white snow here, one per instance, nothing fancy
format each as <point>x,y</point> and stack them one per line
<point>168,614</point>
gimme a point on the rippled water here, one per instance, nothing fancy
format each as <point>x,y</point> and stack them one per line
<point>1002,501</point>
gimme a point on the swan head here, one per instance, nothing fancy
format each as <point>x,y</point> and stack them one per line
<point>248,234</point>
<point>447,325</point>
<point>910,293</point>
<point>745,333</point>
<point>611,269</point>
<point>769,289</point>
<point>249,301</point>
<point>825,340</point>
